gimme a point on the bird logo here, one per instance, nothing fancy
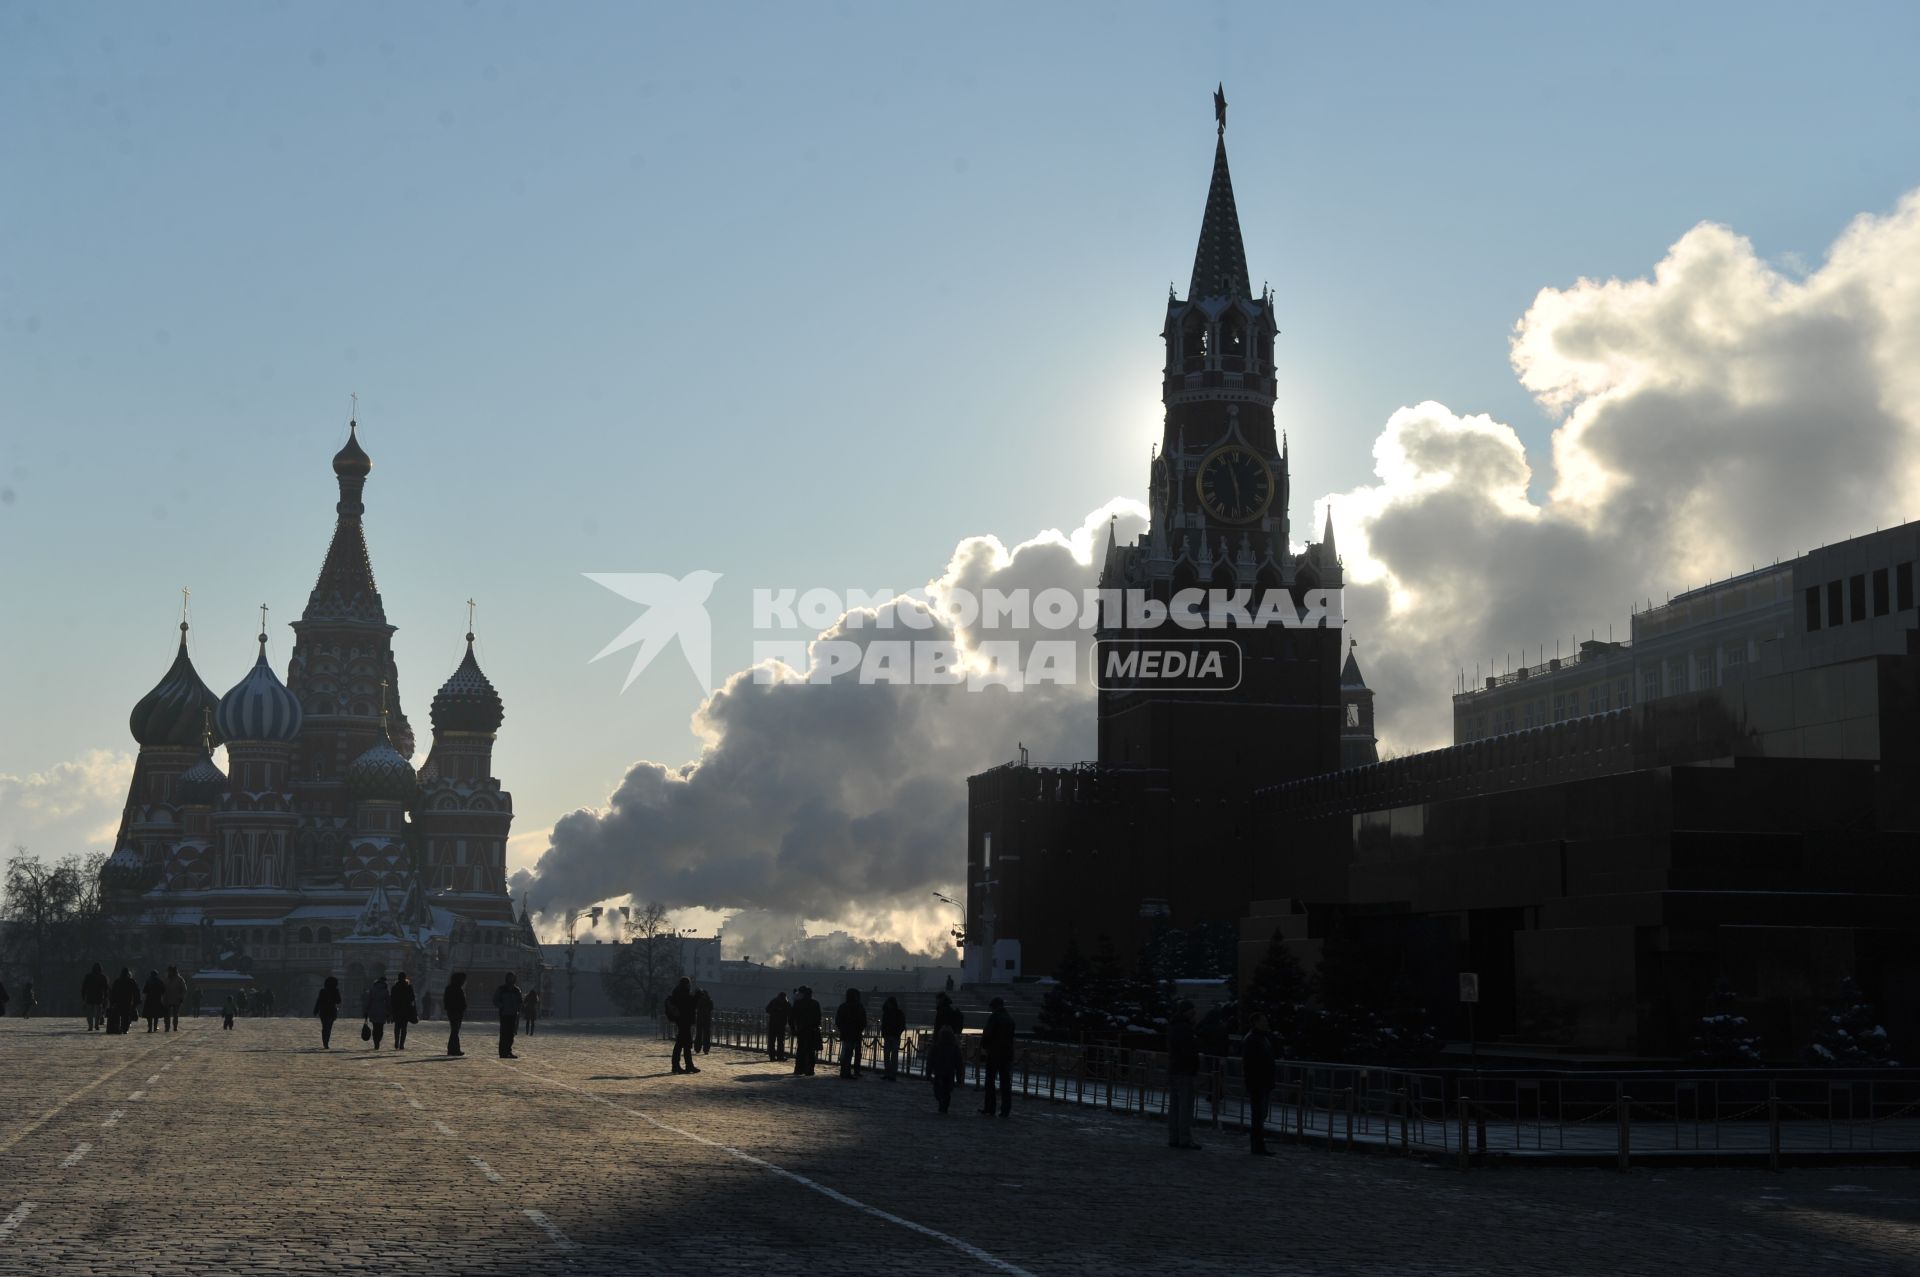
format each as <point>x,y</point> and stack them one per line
<point>676,609</point>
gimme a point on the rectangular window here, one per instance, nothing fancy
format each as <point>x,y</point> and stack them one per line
<point>1836,612</point>
<point>1622,693</point>
<point>1882,603</point>
<point>1813,608</point>
<point>1903,586</point>
<point>1857,597</point>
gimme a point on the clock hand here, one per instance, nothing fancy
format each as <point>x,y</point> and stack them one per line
<point>1234,475</point>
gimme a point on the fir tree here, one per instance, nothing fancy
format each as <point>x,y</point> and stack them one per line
<point>1067,1011</point>
<point>1725,1040</point>
<point>1848,1035</point>
<point>1278,989</point>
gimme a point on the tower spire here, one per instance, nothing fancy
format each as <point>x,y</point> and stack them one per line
<point>1220,262</point>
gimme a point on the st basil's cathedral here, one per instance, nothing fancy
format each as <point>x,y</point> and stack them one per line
<point>321,851</point>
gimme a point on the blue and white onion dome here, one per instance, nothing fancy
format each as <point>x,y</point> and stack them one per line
<point>381,773</point>
<point>259,708</point>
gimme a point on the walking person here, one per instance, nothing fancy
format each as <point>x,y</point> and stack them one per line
<point>506,1000</point>
<point>1256,1074</point>
<point>93,996</point>
<point>153,1003</point>
<point>806,1032</point>
<point>1183,1071</point>
<point>123,1000</point>
<point>947,1016</point>
<point>530,1007</point>
<point>851,1020</point>
<point>893,1022</point>
<point>400,1005</point>
<point>779,1010</point>
<point>943,1066</point>
<point>227,1010</point>
<point>375,1007</point>
<point>455,1002</point>
<point>327,1007</point>
<point>997,1044</point>
<point>176,997</point>
<point>703,1022</point>
<point>680,1011</point>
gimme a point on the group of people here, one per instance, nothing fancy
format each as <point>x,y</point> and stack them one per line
<point>394,1006</point>
<point>799,1020</point>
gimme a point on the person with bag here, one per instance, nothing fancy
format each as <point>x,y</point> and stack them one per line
<point>327,1007</point>
<point>400,1005</point>
<point>454,1002</point>
<point>374,1009</point>
<point>507,1000</point>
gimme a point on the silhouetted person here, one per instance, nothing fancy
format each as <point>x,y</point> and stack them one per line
<point>455,1002</point>
<point>154,1001</point>
<point>530,1008</point>
<point>93,996</point>
<point>779,1010</point>
<point>996,1043</point>
<point>947,1016</point>
<point>949,984</point>
<point>327,1006</point>
<point>28,1001</point>
<point>943,1066</point>
<point>850,1018</point>
<point>1183,1071</point>
<point>506,1000</point>
<point>680,1011</point>
<point>703,1022</point>
<point>227,1008</point>
<point>376,1007</point>
<point>176,996</point>
<point>3,999</point>
<point>806,1031</point>
<point>401,1006</point>
<point>123,1000</point>
<point>893,1022</point>
<point>1256,1074</point>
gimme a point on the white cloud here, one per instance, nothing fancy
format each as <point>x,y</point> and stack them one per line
<point>68,808</point>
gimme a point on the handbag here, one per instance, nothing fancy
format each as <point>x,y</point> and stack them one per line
<point>366,1031</point>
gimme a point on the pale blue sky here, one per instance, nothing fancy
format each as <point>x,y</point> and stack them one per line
<point>800,294</point>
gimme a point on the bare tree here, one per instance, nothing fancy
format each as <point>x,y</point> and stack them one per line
<point>52,922</point>
<point>648,965</point>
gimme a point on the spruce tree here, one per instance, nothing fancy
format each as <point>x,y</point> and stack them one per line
<point>1065,1012</point>
<point>1724,1040</point>
<point>1848,1034</point>
<point>1278,989</point>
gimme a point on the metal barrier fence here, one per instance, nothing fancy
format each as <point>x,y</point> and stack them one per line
<point>1463,1116</point>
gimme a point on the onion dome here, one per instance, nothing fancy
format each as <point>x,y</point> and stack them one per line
<point>171,714</point>
<point>259,707</point>
<point>201,784</point>
<point>352,459</point>
<point>467,702</point>
<point>381,772</point>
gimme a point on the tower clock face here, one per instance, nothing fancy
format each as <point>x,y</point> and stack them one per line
<point>1234,484</point>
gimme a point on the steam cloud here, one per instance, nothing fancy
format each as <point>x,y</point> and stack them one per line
<point>1720,413</point>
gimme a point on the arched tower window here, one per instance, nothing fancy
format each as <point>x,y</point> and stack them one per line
<point>1194,337</point>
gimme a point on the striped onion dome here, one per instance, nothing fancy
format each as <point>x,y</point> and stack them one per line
<point>466,702</point>
<point>201,784</point>
<point>382,772</point>
<point>259,708</point>
<point>173,712</point>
